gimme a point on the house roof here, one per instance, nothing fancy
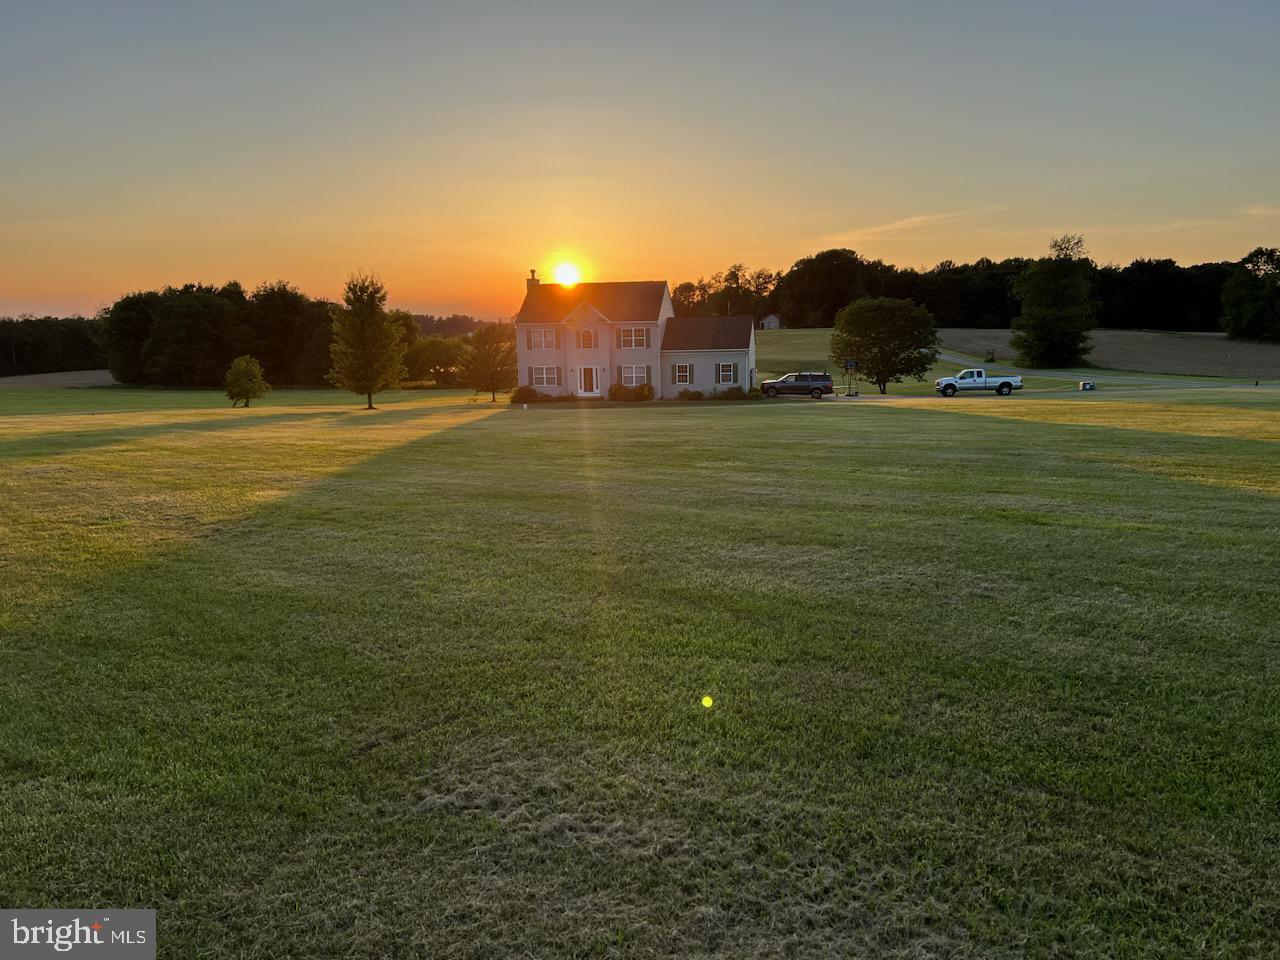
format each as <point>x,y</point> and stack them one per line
<point>708,333</point>
<point>634,301</point>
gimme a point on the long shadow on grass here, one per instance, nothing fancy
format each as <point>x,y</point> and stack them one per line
<point>449,696</point>
<point>57,443</point>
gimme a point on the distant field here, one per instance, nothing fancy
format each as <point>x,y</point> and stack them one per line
<point>785,351</point>
<point>991,678</point>
<point>780,352</point>
<point>1198,354</point>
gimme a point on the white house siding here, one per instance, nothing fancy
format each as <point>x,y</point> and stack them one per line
<point>606,357</point>
<point>703,363</point>
<point>531,356</point>
<point>649,357</point>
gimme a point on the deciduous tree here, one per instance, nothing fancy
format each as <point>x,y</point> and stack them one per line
<point>1251,297</point>
<point>491,360</point>
<point>244,381</point>
<point>1057,306</point>
<point>436,358</point>
<point>368,342</point>
<point>890,339</point>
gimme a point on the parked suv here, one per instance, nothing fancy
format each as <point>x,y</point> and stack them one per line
<point>813,384</point>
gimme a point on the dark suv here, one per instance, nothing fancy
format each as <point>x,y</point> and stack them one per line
<point>813,384</point>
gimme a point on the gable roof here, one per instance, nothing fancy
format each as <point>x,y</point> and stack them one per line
<point>708,333</point>
<point>633,301</point>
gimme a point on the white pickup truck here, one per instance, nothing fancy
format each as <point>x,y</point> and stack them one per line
<point>977,379</point>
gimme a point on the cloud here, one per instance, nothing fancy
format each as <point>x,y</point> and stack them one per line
<point>903,225</point>
<point>1261,210</point>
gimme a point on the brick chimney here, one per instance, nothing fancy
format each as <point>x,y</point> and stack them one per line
<point>532,282</point>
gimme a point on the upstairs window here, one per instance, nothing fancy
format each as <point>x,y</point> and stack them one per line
<point>587,340</point>
<point>633,337</point>
<point>542,339</point>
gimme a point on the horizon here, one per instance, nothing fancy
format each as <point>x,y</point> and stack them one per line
<point>545,279</point>
<point>452,151</point>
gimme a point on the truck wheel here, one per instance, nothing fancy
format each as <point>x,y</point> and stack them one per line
<point>1004,389</point>
<point>949,390</point>
<point>771,393</point>
<point>815,393</point>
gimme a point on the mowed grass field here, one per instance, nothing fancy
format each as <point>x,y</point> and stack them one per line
<point>780,352</point>
<point>991,678</point>
<point>1152,351</point>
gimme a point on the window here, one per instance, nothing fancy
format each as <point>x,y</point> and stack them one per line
<point>680,373</point>
<point>633,337</point>
<point>542,339</point>
<point>790,378</point>
<point>545,376</point>
<point>726,373</point>
<point>634,375</point>
<point>587,340</point>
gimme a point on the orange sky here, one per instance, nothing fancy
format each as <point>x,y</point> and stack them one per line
<point>451,151</point>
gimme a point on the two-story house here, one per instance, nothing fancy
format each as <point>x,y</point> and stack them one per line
<point>581,339</point>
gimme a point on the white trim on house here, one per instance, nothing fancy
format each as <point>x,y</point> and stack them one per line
<point>543,338</point>
<point>638,336</point>
<point>594,390</point>
<point>634,374</point>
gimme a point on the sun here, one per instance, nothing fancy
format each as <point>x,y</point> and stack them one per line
<point>567,275</point>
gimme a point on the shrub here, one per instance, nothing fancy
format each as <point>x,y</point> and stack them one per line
<point>525,394</point>
<point>244,381</point>
<point>755,394</point>
<point>620,391</point>
<point>733,393</point>
<point>688,394</point>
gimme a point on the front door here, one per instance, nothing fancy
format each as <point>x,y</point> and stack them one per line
<point>587,385</point>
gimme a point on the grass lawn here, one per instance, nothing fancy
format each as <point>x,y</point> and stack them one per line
<point>780,352</point>
<point>1154,351</point>
<point>991,678</point>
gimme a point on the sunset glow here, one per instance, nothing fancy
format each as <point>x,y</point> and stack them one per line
<point>567,275</point>
<point>652,170</point>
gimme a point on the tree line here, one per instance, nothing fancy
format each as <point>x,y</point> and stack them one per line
<point>186,336</point>
<point>892,338</point>
<point>1239,297</point>
<point>49,345</point>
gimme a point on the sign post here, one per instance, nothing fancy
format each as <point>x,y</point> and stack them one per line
<point>850,367</point>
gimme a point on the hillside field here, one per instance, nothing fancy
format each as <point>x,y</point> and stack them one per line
<point>990,678</point>
<point>1147,351</point>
